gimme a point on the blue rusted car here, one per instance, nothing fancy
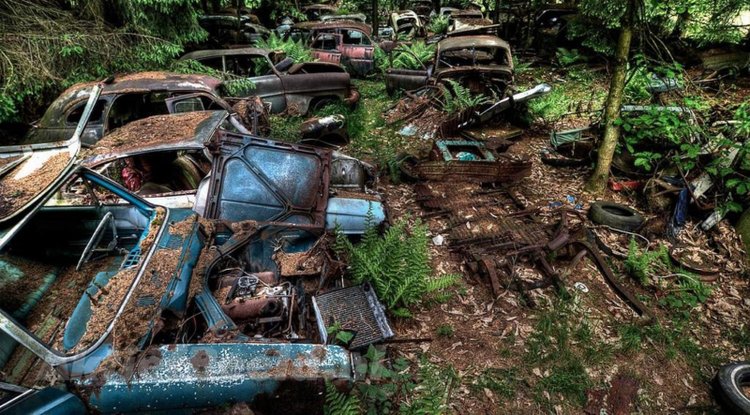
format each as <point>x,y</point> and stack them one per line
<point>111,304</point>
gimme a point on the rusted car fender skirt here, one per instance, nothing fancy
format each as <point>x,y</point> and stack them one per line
<point>192,376</point>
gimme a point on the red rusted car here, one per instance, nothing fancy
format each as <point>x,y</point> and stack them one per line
<point>348,43</point>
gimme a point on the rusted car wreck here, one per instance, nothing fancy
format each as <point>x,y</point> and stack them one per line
<point>345,42</point>
<point>278,81</point>
<point>482,63</point>
<point>127,98</point>
<point>126,306</point>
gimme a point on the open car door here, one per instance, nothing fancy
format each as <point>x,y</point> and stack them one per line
<point>264,180</point>
<point>326,47</point>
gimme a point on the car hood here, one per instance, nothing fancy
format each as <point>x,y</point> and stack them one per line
<point>188,130</point>
<point>264,180</point>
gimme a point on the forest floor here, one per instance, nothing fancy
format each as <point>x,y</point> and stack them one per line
<point>584,350</point>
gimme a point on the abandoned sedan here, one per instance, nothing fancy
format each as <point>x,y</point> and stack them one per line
<point>129,307</point>
<point>125,99</point>
<point>481,63</point>
<point>283,85</point>
<point>345,42</point>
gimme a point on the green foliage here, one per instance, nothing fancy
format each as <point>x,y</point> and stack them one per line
<point>382,385</point>
<point>649,134</point>
<point>83,41</point>
<point>445,330</point>
<point>405,56</point>
<point>687,291</point>
<point>338,403</point>
<point>562,346</point>
<point>430,396</point>
<point>396,264</point>
<point>339,334</point>
<point>457,98</point>
<point>503,382</point>
<point>439,24</point>
<point>297,51</point>
<point>644,265</point>
<point>568,57</point>
<point>285,128</point>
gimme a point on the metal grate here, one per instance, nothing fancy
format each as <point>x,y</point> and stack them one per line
<point>356,309</point>
<point>134,256</point>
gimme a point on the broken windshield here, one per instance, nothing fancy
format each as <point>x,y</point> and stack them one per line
<point>65,273</point>
<point>485,56</point>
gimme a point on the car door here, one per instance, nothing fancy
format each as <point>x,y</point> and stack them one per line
<point>325,48</point>
<point>266,82</point>
<point>357,51</point>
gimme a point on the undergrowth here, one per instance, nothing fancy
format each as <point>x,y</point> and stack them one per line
<point>294,50</point>
<point>397,264</point>
<point>458,98</point>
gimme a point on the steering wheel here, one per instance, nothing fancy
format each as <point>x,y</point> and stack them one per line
<point>107,220</point>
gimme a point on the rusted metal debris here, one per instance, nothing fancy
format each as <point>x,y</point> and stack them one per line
<point>459,160</point>
<point>493,245</point>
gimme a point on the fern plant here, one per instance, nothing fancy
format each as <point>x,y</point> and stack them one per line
<point>338,403</point>
<point>294,50</point>
<point>396,264</point>
<point>439,24</point>
<point>458,98</point>
<point>405,56</point>
<point>432,393</point>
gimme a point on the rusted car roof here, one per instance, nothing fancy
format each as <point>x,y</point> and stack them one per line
<point>211,53</point>
<point>472,41</point>
<point>158,132</point>
<point>336,24</point>
<point>149,81</point>
<point>320,7</point>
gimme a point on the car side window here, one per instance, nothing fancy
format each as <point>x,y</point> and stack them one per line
<point>189,105</point>
<point>74,115</point>
<point>213,63</point>
<point>355,37</point>
<point>325,42</point>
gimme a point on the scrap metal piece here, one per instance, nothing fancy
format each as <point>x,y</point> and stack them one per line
<point>621,291</point>
<point>468,161</point>
<point>356,309</point>
<point>327,131</point>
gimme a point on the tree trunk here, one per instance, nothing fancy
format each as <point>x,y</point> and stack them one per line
<point>598,180</point>
<point>374,5</point>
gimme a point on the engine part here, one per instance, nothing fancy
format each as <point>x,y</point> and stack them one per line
<point>241,309</point>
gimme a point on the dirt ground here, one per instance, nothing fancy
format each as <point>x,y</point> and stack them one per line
<point>667,371</point>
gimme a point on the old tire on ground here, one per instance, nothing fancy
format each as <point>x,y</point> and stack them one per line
<point>615,215</point>
<point>728,385</point>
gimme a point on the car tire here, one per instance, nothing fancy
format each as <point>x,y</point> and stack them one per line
<point>727,387</point>
<point>615,215</point>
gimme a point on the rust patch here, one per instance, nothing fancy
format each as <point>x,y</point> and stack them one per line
<point>200,361</point>
<point>319,353</point>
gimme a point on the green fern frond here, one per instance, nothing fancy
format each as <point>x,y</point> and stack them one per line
<point>338,403</point>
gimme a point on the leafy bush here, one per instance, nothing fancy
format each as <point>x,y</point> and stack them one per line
<point>396,264</point>
<point>458,98</point>
<point>294,50</point>
<point>649,135</point>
